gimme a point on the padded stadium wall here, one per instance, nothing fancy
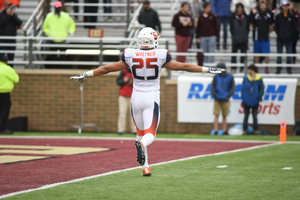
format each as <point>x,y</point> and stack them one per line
<point>51,101</point>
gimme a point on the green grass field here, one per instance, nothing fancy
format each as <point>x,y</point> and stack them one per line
<point>250,174</point>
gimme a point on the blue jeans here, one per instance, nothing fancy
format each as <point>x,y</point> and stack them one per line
<point>289,49</point>
<point>223,20</point>
<point>254,115</point>
<point>208,45</point>
<point>191,43</point>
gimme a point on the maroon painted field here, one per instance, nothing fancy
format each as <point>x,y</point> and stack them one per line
<point>24,175</point>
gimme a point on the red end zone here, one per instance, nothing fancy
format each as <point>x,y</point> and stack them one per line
<point>29,163</point>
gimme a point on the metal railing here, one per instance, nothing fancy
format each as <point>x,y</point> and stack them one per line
<point>36,51</point>
<point>35,48</point>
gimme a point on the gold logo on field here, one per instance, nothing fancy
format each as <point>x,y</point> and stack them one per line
<point>40,152</point>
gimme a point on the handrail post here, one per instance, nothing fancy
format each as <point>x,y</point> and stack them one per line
<point>34,26</point>
<point>127,20</point>
<point>245,64</point>
<point>30,53</point>
<point>25,55</point>
<point>101,52</point>
<point>168,71</point>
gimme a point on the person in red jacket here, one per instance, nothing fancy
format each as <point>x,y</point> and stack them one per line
<point>207,31</point>
<point>125,81</point>
<point>183,23</point>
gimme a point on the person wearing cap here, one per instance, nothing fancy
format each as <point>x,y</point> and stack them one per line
<point>149,17</point>
<point>58,24</point>
<point>285,27</point>
<point>8,77</point>
<point>9,22</point>
<point>222,88</point>
<point>297,33</point>
<point>252,91</point>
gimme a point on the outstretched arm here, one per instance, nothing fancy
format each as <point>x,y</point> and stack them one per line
<point>117,66</point>
<point>172,65</point>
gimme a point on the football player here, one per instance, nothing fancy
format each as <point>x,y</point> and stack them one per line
<point>146,64</point>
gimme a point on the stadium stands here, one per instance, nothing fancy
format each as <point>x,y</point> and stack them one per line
<point>116,28</point>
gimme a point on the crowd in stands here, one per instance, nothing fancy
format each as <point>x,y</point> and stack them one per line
<point>205,19</point>
<point>197,20</point>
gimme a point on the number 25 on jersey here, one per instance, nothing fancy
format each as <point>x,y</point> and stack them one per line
<point>139,64</point>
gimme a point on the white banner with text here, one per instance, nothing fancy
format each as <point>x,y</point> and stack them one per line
<point>195,102</point>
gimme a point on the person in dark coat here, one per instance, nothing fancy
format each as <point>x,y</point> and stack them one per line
<point>285,28</point>
<point>222,88</point>
<point>252,92</point>
<point>149,17</point>
<point>239,29</point>
<point>9,22</point>
<point>297,33</point>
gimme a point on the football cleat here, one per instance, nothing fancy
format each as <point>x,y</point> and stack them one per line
<point>140,153</point>
<point>147,171</point>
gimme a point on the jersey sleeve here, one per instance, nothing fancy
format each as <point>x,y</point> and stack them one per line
<point>123,57</point>
<point>168,58</point>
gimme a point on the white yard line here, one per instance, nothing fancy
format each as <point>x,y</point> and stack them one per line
<point>118,171</point>
<point>158,139</point>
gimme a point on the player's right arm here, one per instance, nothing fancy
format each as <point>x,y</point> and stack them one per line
<point>117,66</point>
<point>172,65</point>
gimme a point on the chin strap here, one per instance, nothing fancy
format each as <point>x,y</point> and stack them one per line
<point>147,48</point>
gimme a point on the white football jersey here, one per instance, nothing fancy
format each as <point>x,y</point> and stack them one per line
<point>146,66</point>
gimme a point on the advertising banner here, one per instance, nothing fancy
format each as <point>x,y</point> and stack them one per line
<point>195,102</point>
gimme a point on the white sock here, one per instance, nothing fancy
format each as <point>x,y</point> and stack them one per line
<point>146,158</point>
<point>147,140</point>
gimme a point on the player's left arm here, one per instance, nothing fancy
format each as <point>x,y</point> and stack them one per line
<point>117,66</point>
<point>172,65</point>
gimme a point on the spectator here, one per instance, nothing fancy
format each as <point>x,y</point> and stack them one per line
<point>285,28</point>
<point>183,24</point>
<point>9,22</point>
<point>246,3</point>
<point>125,80</point>
<point>222,88</point>
<point>68,9</point>
<point>239,29</point>
<point>107,9</point>
<point>251,16</point>
<point>58,24</point>
<point>261,20</point>
<point>149,17</point>
<point>196,8</point>
<point>207,31</point>
<point>296,4</point>
<point>252,91</point>
<point>90,10</point>
<point>296,34</point>
<point>221,8</point>
<point>15,3</point>
<point>8,77</point>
